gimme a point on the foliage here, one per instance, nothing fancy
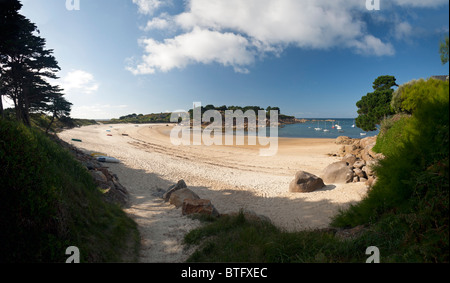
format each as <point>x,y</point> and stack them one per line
<point>412,190</point>
<point>50,202</point>
<point>25,64</point>
<point>141,119</point>
<point>408,97</point>
<point>373,107</point>
<point>443,50</point>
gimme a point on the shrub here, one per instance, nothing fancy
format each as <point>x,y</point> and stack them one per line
<point>413,185</point>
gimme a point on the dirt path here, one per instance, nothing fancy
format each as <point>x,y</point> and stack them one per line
<point>231,177</point>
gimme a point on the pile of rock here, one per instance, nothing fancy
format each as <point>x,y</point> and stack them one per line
<point>190,203</point>
<point>108,182</point>
<point>358,159</point>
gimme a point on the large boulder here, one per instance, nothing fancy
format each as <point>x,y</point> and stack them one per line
<point>199,206</point>
<point>180,185</point>
<point>338,172</point>
<point>305,182</point>
<point>177,198</point>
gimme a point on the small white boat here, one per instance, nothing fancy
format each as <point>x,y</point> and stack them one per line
<point>107,159</point>
<point>363,134</point>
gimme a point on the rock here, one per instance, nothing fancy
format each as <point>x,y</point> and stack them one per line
<point>368,142</point>
<point>371,180</point>
<point>350,159</point>
<point>198,206</point>
<point>341,151</point>
<point>305,182</point>
<point>360,173</point>
<point>180,185</point>
<point>338,172</point>
<point>369,168</point>
<point>355,179</point>
<point>351,149</point>
<point>178,197</point>
<point>363,180</point>
<point>99,177</point>
<point>359,164</point>
<point>344,140</point>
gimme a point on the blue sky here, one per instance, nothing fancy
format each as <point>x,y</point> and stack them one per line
<point>310,58</point>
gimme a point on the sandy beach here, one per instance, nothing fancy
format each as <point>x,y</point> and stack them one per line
<point>232,177</point>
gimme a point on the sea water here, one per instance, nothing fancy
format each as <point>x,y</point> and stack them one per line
<point>308,129</point>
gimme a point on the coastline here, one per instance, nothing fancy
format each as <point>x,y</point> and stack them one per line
<point>232,177</point>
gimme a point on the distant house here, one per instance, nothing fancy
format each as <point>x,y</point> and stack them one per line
<point>441,78</point>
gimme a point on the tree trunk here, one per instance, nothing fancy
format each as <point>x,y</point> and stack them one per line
<point>50,124</point>
<point>2,113</point>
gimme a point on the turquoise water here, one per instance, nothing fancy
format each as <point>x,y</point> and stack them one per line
<point>307,130</point>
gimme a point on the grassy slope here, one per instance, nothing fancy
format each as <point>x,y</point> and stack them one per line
<point>50,202</point>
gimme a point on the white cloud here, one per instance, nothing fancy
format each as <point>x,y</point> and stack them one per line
<point>158,23</point>
<point>372,45</point>
<point>197,46</point>
<point>148,7</point>
<point>79,81</point>
<point>98,111</point>
<point>402,30</point>
<point>237,32</point>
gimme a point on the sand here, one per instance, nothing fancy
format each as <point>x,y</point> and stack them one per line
<point>232,177</point>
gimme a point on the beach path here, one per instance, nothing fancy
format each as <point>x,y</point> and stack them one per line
<point>232,177</point>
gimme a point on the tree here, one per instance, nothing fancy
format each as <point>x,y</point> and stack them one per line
<point>443,50</point>
<point>25,64</point>
<point>59,107</point>
<point>375,106</point>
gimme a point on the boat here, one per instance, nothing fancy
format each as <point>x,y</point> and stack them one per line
<point>97,154</point>
<point>77,140</point>
<point>107,159</point>
<point>326,130</point>
<point>318,127</point>
<point>363,134</point>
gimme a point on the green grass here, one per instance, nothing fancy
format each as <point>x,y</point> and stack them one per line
<point>50,202</point>
<point>237,239</point>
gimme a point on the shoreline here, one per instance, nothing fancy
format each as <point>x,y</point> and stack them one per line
<point>233,178</point>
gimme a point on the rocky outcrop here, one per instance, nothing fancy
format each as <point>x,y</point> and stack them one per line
<point>112,189</point>
<point>180,185</point>
<point>359,155</point>
<point>198,206</point>
<point>305,182</point>
<point>338,172</point>
<point>180,195</point>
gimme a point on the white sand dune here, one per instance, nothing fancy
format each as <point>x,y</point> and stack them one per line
<point>232,177</point>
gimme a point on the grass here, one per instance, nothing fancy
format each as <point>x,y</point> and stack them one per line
<point>50,202</point>
<point>239,239</point>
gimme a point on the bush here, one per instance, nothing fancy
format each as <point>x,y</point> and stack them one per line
<point>413,185</point>
<point>408,97</point>
<point>49,202</point>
